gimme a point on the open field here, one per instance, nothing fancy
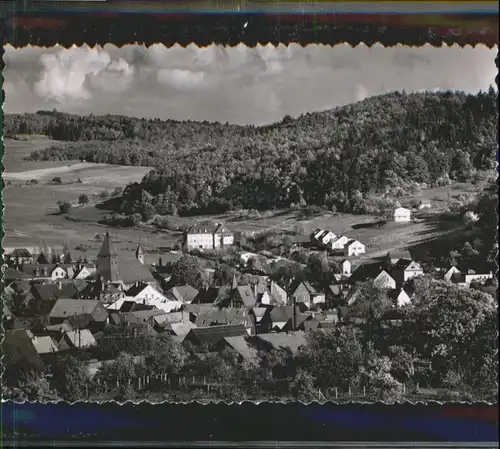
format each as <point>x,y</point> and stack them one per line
<point>31,214</point>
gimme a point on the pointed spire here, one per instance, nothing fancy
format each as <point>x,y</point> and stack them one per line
<point>234,285</point>
<point>107,247</point>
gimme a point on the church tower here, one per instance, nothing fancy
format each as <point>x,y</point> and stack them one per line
<point>107,261</point>
<point>139,254</point>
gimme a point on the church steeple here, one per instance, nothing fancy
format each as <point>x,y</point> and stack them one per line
<point>107,261</point>
<point>139,254</point>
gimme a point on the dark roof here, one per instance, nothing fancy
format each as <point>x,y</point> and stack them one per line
<point>130,306</point>
<point>217,316</point>
<point>215,334</point>
<point>16,345</point>
<point>202,228</point>
<point>81,321</point>
<point>136,289</point>
<point>11,274</point>
<point>21,252</point>
<point>399,255</point>
<point>115,317</point>
<point>291,340</point>
<point>366,271</point>
<point>46,292</point>
<point>107,248</point>
<point>131,271</point>
<point>21,286</point>
<point>68,291</point>
<point>281,313</point>
<point>310,324</point>
<point>211,295</point>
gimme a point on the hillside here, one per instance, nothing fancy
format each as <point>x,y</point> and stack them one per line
<point>336,159</point>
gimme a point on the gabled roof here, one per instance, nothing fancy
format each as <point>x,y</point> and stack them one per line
<point>401,209</point>
<point>11,274</point>
<point>223,316</point>
<point>241,346</point>
<point>64,308</point>
<point>136,289</point>
<point>211,295</point>
<point>181,329</point>
<point>215,334</point>
<point>21,252</point>
<point>131,271</point>
<point>81,321</point>
<point>18,344</point>
<point>80,339</point>
<point>44,345</point>
<point>310,288</point>
<point>291,340</point>
<point>46,292</point>
<point>281,314</point>
<point>184,293</point>
<point>350,242</point>
<point>68,291</point>
<point>246,294</point>
<point>202,228</point>
<point>399,255</point>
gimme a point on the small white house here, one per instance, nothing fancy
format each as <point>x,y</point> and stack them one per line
<point>424,204</point>
<point>354,248</point>
<point>401,215</point>
<point>412,270</point>
<point>385,280</point>
<point>339,243</point>
<point>449,274</point>
<point>85,273</point>
<point>278,293</point>
<point>58,273</point>
<point>146,294</point>
<point>326,238</point>
<point>346,267</point>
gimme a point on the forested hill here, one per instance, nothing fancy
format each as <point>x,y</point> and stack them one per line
<point>332,158</point>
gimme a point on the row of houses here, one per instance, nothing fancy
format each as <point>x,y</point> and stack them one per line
<point>327,239</point>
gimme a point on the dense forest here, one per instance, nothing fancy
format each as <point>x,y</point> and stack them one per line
<point>333,159</point>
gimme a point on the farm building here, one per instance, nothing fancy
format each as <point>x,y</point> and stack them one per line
<point>424,204</point>
<point>401,215</point>
<point>339,243</point>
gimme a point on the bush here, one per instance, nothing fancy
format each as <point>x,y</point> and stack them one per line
<point>57,180</point>
<point>64,207</point>
<point>83,199</point>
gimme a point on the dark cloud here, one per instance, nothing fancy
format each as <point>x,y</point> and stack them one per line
<point>238,85</point>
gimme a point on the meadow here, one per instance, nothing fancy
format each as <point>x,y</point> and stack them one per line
<point>32,217</point>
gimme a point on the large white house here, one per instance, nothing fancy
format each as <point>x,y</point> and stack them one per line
<point>339,243</point>
<point>401,215</point>
<point>208,236</point>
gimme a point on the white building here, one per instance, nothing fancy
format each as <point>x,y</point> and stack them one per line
<point>385,280</point>
<point>354,248</point>
<point>346,267</point>
<point>208,236</point>
<point>401,215</point>
<point>339,243</point>
<point>326,237</point>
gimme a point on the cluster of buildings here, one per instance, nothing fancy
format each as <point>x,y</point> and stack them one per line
<point>337,243</point>
<point>49,308</point>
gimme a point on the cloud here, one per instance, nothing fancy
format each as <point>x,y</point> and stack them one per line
<point>77,73</point>
<point>180,79</point>
<point>236,84</point>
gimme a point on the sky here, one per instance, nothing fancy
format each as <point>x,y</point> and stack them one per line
<point>239,84</point>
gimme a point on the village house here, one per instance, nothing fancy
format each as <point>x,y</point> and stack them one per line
<point>208,236</point>
<point>424,204</point>
<point>448,274</point>
<point>183,293</point>
<point>354,248</point>
<point>64,308</point>
<point>401,296</point>
<point>305,293</point>
<point>20,256</point>
<point>324,238</point>
<point>279,294</point>
<point>466,279</point>
<point>346,267</point>
<point>385,280</point>
<point>213,336</point>
<point>76,339</point>
<point>402,215</point>
<point>393,257</point>
<point>340,243</point>
<point>145,293</point>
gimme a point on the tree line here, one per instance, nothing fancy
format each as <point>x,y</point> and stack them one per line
<point>334,159</point>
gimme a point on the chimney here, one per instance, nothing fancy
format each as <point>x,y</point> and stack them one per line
<point>160,262</point>
<point>255,291</point>
<point>294,313</point>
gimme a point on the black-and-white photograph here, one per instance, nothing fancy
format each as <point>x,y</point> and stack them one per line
<point>236,224</point>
